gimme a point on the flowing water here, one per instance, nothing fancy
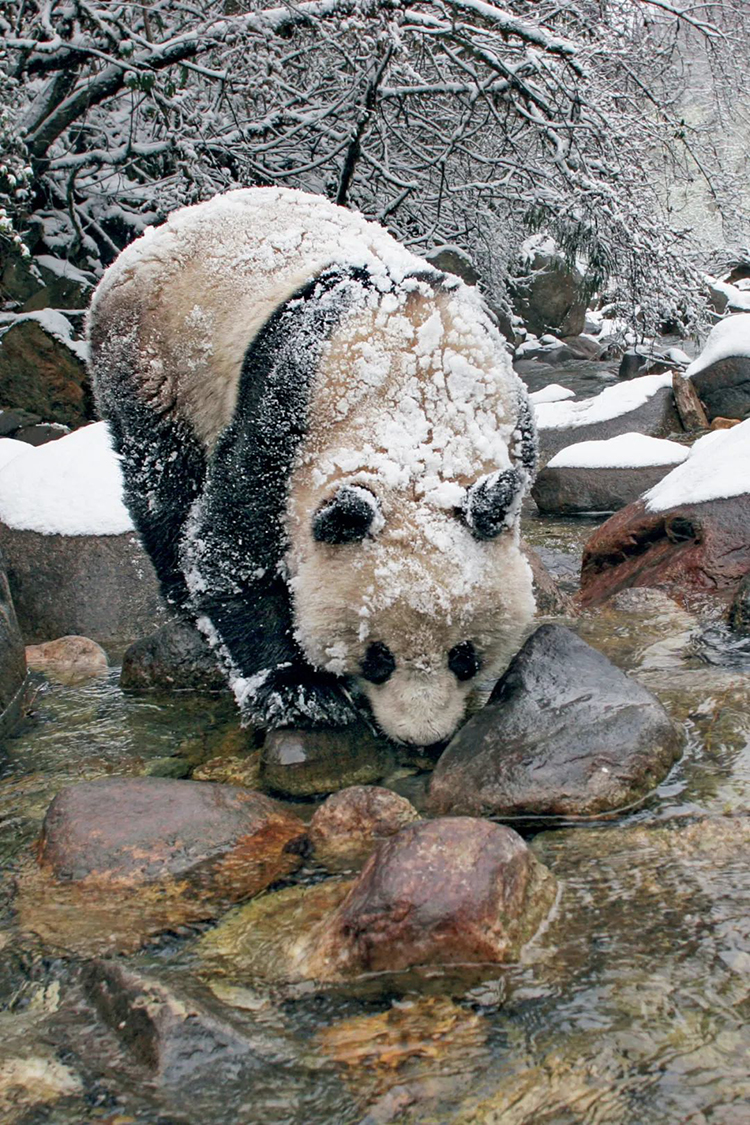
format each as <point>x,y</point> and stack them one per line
<point>632,1006</point>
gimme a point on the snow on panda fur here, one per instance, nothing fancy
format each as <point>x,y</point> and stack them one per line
<point>324,450</point>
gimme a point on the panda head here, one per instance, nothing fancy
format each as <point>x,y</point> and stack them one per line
<point>404,560</point>
<point>421,608</point>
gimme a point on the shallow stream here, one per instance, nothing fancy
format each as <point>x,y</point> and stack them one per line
<point>632,1006</point>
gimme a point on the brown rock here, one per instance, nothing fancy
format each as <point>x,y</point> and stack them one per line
<point>98,586</point>
<point>128,832</point>
<point>440,892</point>
<point>40,373</point>
<point>71,660</point>
<point>724,423</point>
<point>689,406</point>
<point>694,552</point>
<point>348,826</point>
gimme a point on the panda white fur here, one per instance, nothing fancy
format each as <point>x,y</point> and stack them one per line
<point>324,449</point>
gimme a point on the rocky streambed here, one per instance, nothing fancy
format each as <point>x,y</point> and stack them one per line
<point>181,942</point>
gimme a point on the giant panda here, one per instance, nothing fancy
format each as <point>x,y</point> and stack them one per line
<point>324,450</point>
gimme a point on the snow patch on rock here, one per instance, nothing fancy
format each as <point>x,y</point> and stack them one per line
<point>730,337</point>
<point>10,449</point>
<point>611,403</point>
<point>628,451</point>
<point>554,392</point>
<point>718,467</point>
<point>72,486</point>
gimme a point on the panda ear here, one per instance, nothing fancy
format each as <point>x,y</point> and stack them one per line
<point>348,517</point>
<point>491,504</point>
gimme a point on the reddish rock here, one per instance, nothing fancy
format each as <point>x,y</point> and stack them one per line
<point>347,826</point>
<point>130,832</point>
<point>440,892</point>
<point>71,660</point>
<point>693,551</point>
<point>39,372</point>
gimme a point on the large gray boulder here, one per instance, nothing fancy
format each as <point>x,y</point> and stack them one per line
<point>98,586</point>
<point>565,733</point>
<point>551,297</point>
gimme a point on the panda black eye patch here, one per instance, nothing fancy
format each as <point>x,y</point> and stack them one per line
<point>464,661</point>
<point>346,518</point>
<point>379,663</point>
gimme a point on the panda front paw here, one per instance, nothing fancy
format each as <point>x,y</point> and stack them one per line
<point>293,695</point>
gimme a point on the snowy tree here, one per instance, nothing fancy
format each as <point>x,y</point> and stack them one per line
<point>451,121</point>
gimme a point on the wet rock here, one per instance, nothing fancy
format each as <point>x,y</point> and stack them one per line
<point>127,832</point>
<point>550,599</point>
<point>696,552</point>
<point>551,299</point>
<point>440,892</point>
<point>348,825</point>
<point>565,733</point>
<point>12,660</point>
<point>71,660</point>
<point>689,406</point>
<point>40,372</point>
<point>302,763</point>
<point>98,586</point>
<point>181,1038</point>
<point>174,658</point>
<point>724,387</point>
<point>739,613</point>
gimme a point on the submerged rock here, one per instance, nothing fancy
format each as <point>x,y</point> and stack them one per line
<point>440,892</point>
<point>71,660</point>
<point>123,859</point>
<point>348,825</point>
<point>303,763</point>
<point>181,1038</point>
<point>565,733</point>
<point>132,831</point>
<point>174,658</point>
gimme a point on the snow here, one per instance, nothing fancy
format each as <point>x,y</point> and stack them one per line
<point>628,451</point>
<point>53,322</point>
<point>730,337</point>
<point>737,299</point>
<point>554,392</point>
<point>10,449</point>
<point>611,403</point>
<point>718,467</point>
<point>61,268</point>
<point>537,244</point>
<point>72,486</point>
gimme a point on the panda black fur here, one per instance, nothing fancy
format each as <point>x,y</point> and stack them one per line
<point>324,450</point>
